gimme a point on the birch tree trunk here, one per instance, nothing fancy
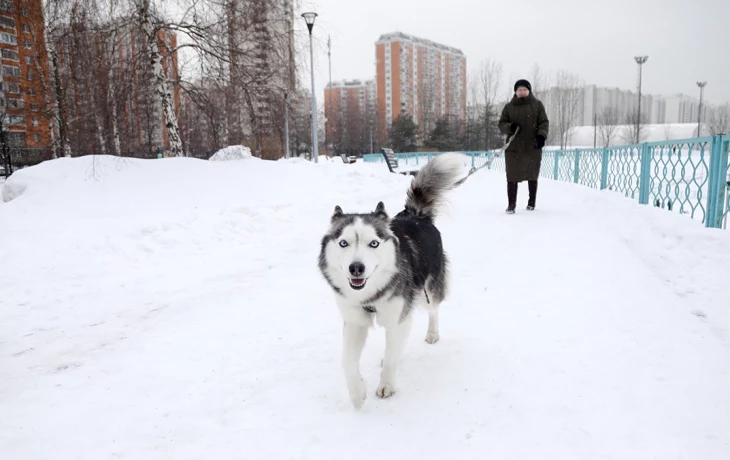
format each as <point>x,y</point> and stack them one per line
<point>163,88</point>
<point>61,103</point>
<point>112,95</point>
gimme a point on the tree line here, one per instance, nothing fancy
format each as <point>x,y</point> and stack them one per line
<point>136,77</point>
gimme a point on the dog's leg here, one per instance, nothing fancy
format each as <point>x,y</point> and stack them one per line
<point>432,335</point>
<point>396,334</point>
<point>354,336</point>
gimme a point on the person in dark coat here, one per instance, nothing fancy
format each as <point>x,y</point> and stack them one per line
<point>523,156</point>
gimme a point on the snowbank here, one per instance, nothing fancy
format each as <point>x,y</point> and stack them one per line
<point>232,152</point>
<point>173,309</point>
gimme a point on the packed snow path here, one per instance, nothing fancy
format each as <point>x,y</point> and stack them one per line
<point>173,309</point>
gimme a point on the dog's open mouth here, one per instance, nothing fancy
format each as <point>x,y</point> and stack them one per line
<point>357,283</point>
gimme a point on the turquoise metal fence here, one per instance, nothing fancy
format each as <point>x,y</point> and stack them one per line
<point>688,176</point>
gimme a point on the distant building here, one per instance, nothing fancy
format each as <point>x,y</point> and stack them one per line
<point>262,72</point>
<point>684,109</point>
<point>419,77</point>
<point>593,100</point>
<point>21,90</point>
<point>352,119</point>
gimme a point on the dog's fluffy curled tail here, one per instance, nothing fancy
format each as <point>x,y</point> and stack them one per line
<point>431,184</point>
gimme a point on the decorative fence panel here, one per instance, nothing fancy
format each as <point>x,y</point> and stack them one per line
<point>689,176</point>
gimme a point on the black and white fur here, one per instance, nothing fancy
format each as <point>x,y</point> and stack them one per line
<point>380,268</point>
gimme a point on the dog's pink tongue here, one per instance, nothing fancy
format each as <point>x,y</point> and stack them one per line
<point>357,282</point>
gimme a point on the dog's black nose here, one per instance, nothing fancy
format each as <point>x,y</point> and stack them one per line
<point>357,269</point>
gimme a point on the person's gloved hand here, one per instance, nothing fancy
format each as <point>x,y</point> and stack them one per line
<point>539,141</point>
<point>513,127</point>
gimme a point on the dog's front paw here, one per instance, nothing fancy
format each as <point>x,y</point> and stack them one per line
<point>432,337</point>
<point>358,392</point>
<point>385,390</point>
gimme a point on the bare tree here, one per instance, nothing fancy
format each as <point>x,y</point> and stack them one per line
<point>111,65</point>
<point>568,92</point>
<point>720,120</point>
<point>110,80</point>
<point>5,143</point>
<point>163,88</point>
<point>55,16</point>
<point>489,76</point>
<point>538,80</point>
<point>473,131</point>
<point>608,123</point>
<point>629,130</point>
<point>427,105</point>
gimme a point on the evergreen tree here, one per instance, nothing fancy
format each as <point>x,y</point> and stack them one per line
<point>403,133</point>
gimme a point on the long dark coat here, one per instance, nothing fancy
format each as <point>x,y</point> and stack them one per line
<point>523,160</point>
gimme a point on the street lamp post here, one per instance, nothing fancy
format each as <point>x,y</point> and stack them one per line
<point>286,124</point>
<point>330,141</point>
<point>309,18</point>
<point>641,60</point>
<point>701,84</point>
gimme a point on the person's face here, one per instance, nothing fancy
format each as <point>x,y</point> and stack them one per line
<point>522,91</point>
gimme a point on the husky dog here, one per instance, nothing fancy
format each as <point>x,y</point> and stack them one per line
<point>381,267</point>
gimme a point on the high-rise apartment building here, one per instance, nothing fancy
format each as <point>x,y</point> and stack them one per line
<point>421,77</point>
<point>263,69</point>
<point>21,91</point>
<point>352,117</point>
<point>592,102</point>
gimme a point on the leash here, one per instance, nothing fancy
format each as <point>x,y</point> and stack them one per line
<point>489,162</point>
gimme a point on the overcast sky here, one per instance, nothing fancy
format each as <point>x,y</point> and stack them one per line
<point>686,41</point>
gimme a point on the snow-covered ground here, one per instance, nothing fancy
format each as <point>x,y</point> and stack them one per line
<point>172,309</point>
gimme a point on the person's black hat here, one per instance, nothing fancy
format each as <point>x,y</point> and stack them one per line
<point>524,83</point>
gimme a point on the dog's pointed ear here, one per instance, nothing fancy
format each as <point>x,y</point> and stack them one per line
<point>337,214</point>
<point>380,210</point>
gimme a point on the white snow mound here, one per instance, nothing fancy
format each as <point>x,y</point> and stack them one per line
<point>232,152</point>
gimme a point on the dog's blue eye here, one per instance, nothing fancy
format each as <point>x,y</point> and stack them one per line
<point>374,244</point>
<point>343,243</point>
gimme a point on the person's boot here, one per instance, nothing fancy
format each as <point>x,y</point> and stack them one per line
<point>532,185</point>
<point>511,197</point>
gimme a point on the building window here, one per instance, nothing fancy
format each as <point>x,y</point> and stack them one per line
<point>14,103</point>
<point>31,91</point>
<point>10,87</point>
<point>26,28</point>
<point>37,137</point>
<point>7,22</point>
<point>16,120</point>
<point>24,12</point>
<point>29,60</point>
<point>11,70</point>
<point>9,39</point>
<point>34,107</point>
<point>30,75</point>
<point>27,44</point>
<point>7,5</point>
<point>35,123</point>
<point>9,54</point>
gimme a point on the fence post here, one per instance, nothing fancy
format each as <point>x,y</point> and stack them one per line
<point>723,178</point>
<point>712,183</point>
<point>716,183</point>
<point>645,175</point>
<point>576,167</point>
<point>604,169</point>
<point>556,170</point>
